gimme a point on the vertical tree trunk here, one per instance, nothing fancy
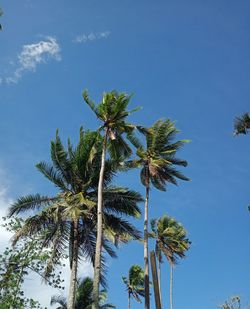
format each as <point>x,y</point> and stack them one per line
<point>128,300</point>
<point>171,287</point>
<point>155,280</point>
<point>159,277</point>
<point>146,266</point>
<point>73,275</point>
<point>98,252</point>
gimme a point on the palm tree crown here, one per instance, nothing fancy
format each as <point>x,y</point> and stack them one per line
<point>83,297</point>
<point>171,238</point>
<point>158,159</point>
<point>242,124</point>
<point>135,283</point>
<point>112,112</point>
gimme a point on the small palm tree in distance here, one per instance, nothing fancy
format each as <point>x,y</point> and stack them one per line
<point>134,284</point>
<point>242,124</point>
<point>171,239</point>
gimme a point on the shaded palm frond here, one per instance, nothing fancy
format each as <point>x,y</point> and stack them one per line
<point>30,202</point>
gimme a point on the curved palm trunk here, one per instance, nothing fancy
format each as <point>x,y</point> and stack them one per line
<point>73,275</point>
<point>97,266</point>
<point>146,266</point>
<point>171,286</point>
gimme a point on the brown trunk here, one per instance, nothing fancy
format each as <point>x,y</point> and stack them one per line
<point>73,275</point>
<point>97,266</point>
<point>155,280</point>
<point>146,267</point>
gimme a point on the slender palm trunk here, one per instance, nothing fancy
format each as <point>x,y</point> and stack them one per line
<point>159,277</point>
<point>98,252</point>
<point>73,275</point>
<point>146,266</point>
<point>128,300</point>
<point>171,286</point>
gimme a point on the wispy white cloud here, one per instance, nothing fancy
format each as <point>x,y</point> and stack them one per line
<point>92,36</point>
<point>31,56</point>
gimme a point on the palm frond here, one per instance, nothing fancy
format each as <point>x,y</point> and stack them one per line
<point>59,157</point>
<point>90,103</point>
<point>59,299</point>
<point>119,230</point>
<point>53,175</point>
<point>30,202</point>
<point>122,201</point>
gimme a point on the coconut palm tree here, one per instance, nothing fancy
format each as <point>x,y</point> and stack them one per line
<point>157,160</point>
<point>242,124</point>
<point>69,218</point>
<point>171,239</point>
<point>135,284</point>
<point>233,303</point>
<point>83,297</point>
<point>112,112</point>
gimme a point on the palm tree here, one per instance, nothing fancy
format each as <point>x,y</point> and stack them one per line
<point>83,297</point>
<point>171,239</point>
<point>242,124</point>
<point>135,283</point>
<point>157,160</point>
<point>69,218</point>
<point>112,112</point>
<point>233,303</point>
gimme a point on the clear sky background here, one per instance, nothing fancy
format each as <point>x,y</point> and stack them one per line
<point>184,60</point>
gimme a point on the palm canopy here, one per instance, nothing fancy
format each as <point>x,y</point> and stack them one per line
<point>171,238</point>
<point>74,171</point>
<point>242,124</point>
<point>157,158</point>
<point>83,297</point>
<point>112,112</point>
<point>135,282</point>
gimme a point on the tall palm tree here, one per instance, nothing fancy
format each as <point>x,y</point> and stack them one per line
<point>83,297</point>
<point>135,284</point>
<point>171,239</point>
<point>157,160</point>
<point>112,112</point>
<point>69,218</point>
<point>242,124</point>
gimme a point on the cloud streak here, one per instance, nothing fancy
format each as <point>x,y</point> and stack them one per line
<point>92,36</point>
<point>31,56</point>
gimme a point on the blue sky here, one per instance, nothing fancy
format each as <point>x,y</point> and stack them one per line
<point>184,60</point>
